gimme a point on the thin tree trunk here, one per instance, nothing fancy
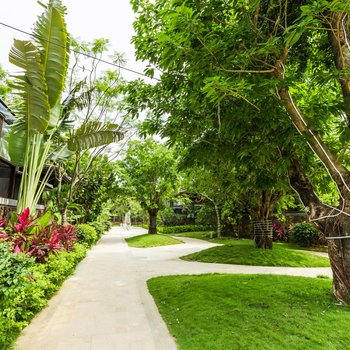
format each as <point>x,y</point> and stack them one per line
<point>64,215</point>
<point>218,221</point>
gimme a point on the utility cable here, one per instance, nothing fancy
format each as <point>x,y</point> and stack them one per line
<point>79,52</point>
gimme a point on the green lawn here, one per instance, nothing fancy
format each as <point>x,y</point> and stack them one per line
<point>251,312</point>
<point>151,240</point>
<point>243,252</point>
<point>199,235</point>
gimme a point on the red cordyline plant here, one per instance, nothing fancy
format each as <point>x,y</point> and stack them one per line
<point>37,236</point>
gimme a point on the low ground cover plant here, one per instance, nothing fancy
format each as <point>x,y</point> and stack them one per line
<point>255,312</point>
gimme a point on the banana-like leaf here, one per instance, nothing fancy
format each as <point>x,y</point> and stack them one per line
<point>17,145</point>
<point>94,134</point>
<point>17,142</point>
<point>51,36</point>
<point>54,118</point>
<point>33,113</point>
<point>61,155</point>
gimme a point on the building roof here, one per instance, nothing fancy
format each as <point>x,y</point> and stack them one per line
<point>6,113</point>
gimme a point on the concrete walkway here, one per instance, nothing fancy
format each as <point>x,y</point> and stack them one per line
<point>105,305</point>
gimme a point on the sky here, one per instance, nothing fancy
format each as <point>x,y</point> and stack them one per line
<point>86,19</point>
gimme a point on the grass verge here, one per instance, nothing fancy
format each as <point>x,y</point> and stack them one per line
<point>150,240</point>
<point>251,312</point>
<point>243,252</point>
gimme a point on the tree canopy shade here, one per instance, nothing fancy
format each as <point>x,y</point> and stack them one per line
<point>151,176</point>
<point>267,77</point>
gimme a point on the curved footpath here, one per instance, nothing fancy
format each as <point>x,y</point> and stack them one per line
<point>105,305</point>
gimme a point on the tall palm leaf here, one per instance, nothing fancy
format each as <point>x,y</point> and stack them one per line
<point>40,87</point>
<point>94,134</point>
<point>30,85</point>
<point>53,43</point>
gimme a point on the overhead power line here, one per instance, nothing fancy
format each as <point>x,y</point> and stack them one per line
<point>80,52</point>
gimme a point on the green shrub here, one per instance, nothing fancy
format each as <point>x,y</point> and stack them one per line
<point>305,234</point>
<point>86,234</point>
<point>99,226</point>
<point>206,216</point>
<point>183,228</point>
<point>107,225</point>
<point>167,217</point>
<point>26,286</point>
<point>12,266</point>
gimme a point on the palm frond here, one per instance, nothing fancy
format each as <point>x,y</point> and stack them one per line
<point>94,134</point>
<point>33,113</point>
<point>51,36</point>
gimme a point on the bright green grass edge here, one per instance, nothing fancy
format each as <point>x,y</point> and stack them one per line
<point>243,252</point>
<point>251,312</point>
<point>151,240</point>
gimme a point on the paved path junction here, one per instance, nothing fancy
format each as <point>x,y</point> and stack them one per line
<point>105,305</point>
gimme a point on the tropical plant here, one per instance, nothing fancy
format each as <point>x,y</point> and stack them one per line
<point>37,237</point>
<point>44,63</point>
<point>90,117</point>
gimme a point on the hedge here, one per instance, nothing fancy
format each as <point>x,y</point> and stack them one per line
<point>25,287</point>
<point>86,234</point>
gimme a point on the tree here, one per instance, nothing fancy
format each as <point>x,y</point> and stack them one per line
<point>282,64</point>
<point>91,117</point>
<point>98,188</point>
<point>151,174</point>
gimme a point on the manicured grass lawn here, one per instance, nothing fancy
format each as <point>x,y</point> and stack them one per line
<point>206,235</point>
<point>251,312</point>
<point>150,240</point>
<point>243,252</point>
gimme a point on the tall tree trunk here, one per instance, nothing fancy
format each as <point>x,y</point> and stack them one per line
<point>333,224</point>
<point>266,201</point>
<point>339,254</point>
<point>152,227</point>
<point>329,221</point>
<point>263,234</point>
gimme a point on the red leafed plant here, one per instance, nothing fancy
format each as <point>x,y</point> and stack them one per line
<point>53,238</point>
<point>37,236</point>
